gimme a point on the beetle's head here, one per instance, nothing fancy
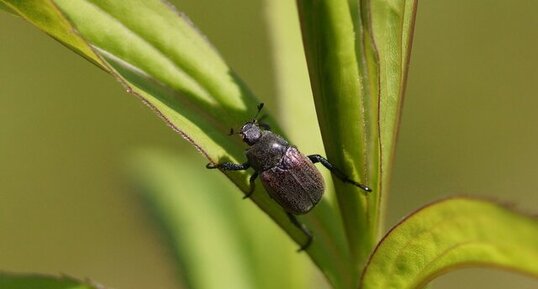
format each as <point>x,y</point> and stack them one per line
<point>251,132</point>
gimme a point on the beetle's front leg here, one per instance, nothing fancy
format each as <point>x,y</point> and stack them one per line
<point>237,167</point>
<point>229,166</point>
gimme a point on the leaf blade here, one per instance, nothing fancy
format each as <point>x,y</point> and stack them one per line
<point>358,72</point>
<point>339,95</point>
<point>45,16</point>
<point>298,115</point>
<point>391,28</point>
<point>188,85</point>
<point>449,234</point>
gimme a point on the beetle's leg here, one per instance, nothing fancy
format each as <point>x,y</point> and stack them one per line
<point>229,166</point>
<point>236,167</point>
<point>339,174</point>
<point>252,185</point>
<point>304,229</point>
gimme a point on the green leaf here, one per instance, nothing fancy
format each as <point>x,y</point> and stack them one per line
<point>158,56</point>
<point>391,28</point>
<point>6,8</point>
<point>44,15</point>
<point>450,234</point>
<point>357,76</point>
<point>22,281</point>
<point>211,229</point>
<point>339,94</point>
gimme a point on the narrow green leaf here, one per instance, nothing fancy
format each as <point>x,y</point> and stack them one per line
<point>391,26</point>
<point>44,15</point>
<point>6,8</point>
<point>158,56</point>
<point>450,234</point>
<point>357,54</point>
<point>340,96</point>
<point>298,116</point>
<point>23,281</point>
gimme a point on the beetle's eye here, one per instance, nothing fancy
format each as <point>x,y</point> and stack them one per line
<point>246,127</point>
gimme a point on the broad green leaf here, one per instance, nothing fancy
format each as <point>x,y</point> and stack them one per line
<point>449,234</point>
<point>158,56</point>
<point>211,229</point>
<point>23,281</point>
<point>357,76</point>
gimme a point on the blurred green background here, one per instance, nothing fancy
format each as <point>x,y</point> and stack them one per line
<point>67,132</point>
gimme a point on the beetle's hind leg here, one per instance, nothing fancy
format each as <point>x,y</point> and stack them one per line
<point>304,229</point>
<point>339,174</point>
<point>252,183</point>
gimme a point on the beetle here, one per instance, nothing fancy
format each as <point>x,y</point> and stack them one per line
<point>289,177</point>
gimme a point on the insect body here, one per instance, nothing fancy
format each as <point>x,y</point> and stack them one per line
<point>289,177</point>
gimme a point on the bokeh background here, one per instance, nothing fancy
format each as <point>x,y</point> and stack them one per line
<point>68,131</point>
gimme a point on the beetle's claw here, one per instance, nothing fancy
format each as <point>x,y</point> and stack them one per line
<point>306,245</point>
<point>364,188</point>
<point>247,195</point>
<point>361,186</point>
<point>211,166</point>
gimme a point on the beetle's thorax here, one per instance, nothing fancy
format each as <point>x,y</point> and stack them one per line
<point>267,152</point>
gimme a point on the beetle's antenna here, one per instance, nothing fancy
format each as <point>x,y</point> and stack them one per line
<point>232,132</point>
<point>262,117</point>
<point>260,106</point>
